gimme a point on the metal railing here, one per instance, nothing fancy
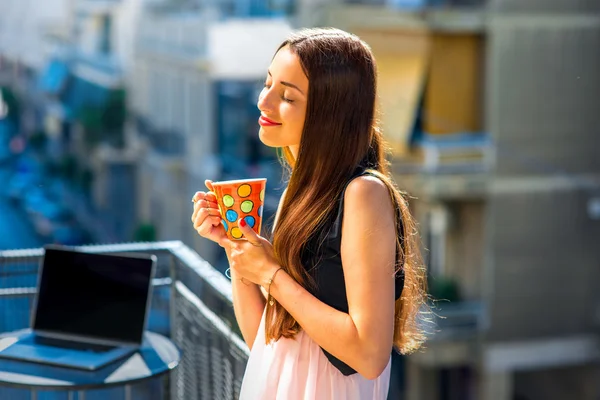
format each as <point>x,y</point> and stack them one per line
<point>417,4</point>
<point>458,320</point>
<point>191,303</point>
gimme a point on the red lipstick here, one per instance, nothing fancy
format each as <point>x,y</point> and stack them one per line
<point>264,121</point>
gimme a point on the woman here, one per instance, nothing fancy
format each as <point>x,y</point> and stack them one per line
<point>320,307</point>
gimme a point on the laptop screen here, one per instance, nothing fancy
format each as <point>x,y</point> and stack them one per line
<point>94,295</point>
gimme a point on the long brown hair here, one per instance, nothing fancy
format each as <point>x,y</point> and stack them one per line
<point>340,133</point>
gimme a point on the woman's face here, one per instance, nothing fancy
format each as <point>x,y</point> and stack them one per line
<point>282,102</point>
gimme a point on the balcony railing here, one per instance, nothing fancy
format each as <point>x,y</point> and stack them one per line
<point>418,4</point>
<point>191,303</point>
<point>449,154</point>
<point>458,320</point>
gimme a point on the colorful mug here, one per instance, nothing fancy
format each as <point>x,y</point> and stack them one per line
<point>240,199</point>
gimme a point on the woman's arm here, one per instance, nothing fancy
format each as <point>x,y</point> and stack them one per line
<point>248,306</point>
<point>249,300</point>
<point>362,338</point>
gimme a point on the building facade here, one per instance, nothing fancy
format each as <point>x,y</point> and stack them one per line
<point>489,111</point>
<point>193,90</point>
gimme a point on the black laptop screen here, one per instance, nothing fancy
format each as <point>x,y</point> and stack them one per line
<point>93,295</point>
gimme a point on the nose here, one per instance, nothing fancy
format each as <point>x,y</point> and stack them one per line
<point>264,101</point>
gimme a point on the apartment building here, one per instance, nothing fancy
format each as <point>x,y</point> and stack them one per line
<point>193,92</point>
<point>489,108</point>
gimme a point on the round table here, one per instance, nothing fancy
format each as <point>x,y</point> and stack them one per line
<point>156,356</point>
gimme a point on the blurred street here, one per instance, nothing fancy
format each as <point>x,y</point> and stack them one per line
<point>15,230</point>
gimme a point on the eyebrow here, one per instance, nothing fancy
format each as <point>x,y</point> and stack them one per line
<point>288,84</point>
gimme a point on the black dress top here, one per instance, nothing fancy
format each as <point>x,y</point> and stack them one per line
<point>324,265</point>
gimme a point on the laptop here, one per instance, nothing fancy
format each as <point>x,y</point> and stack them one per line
<point>90,309</point>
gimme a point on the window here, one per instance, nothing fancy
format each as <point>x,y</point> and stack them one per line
<point>452,98</point>
<point>429,84</point>
<point>436,228</point>
<point>105,34</point>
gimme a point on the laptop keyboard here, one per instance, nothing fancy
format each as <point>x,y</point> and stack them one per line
<point>73,345</point>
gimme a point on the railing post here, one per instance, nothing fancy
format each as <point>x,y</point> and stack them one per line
<point>170,389</point>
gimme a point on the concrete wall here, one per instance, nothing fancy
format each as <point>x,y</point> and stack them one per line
<point>542,94</point>
<point>579,383</point>
<point>542,111</point>
<point>545,256</point>
<point>544,5</point>
<point>464,255</point>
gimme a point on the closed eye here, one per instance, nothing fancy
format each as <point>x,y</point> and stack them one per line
<point>267,86</point>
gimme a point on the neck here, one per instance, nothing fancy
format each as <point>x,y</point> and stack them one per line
<point>294,150</point>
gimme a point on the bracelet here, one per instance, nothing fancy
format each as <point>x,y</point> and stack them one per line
<point>269,282</point>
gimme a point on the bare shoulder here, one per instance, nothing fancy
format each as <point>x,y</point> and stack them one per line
<point>367,191</point>
<point>368,225</point>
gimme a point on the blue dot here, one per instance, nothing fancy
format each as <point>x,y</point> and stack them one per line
<point>231,216</point>
<point>260,209</point>
<point>250,220</point>
<point>225,225</point>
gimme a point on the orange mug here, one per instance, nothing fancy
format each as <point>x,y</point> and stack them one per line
<point>240,199</point>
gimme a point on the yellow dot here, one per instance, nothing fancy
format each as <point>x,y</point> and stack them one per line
<point>236,233</point>
<point>244,190</point>
<point>262,195</point>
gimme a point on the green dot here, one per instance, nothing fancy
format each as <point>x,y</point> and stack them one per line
<point>228,200</point>
<point>247,206</point>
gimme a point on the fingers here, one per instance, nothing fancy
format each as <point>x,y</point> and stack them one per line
<point>210,196</point>
<point>204,225</point>
<point>204,209</point>
<point>209,185</point>
<point>248,233</point>
<point>211,206</point>
<point>205,200</point>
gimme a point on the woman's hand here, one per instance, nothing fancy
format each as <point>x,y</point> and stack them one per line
<point>251,259</point>
<point>206,217</point>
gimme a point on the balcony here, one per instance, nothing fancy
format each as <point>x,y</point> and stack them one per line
<point>419,4</point>
<point>171,36</point>
<point>385,15</point>
<point>169,143</point>
<point>96,6</point>
<point>447,167</point>
<point>256,8</point>
<point>191,303</point>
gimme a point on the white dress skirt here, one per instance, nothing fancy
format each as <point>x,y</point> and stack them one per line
<point>297,369</point>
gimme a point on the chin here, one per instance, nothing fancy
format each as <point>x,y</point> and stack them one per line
<point>265,139</point>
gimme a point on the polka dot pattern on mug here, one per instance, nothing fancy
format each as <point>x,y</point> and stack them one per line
<point>240,200</point>
<point>236,232</point>
<point>247,206</point>
<point>250,221</point>
<point>231,215</point>
<point>244,190</point>
<point>228,200</point>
